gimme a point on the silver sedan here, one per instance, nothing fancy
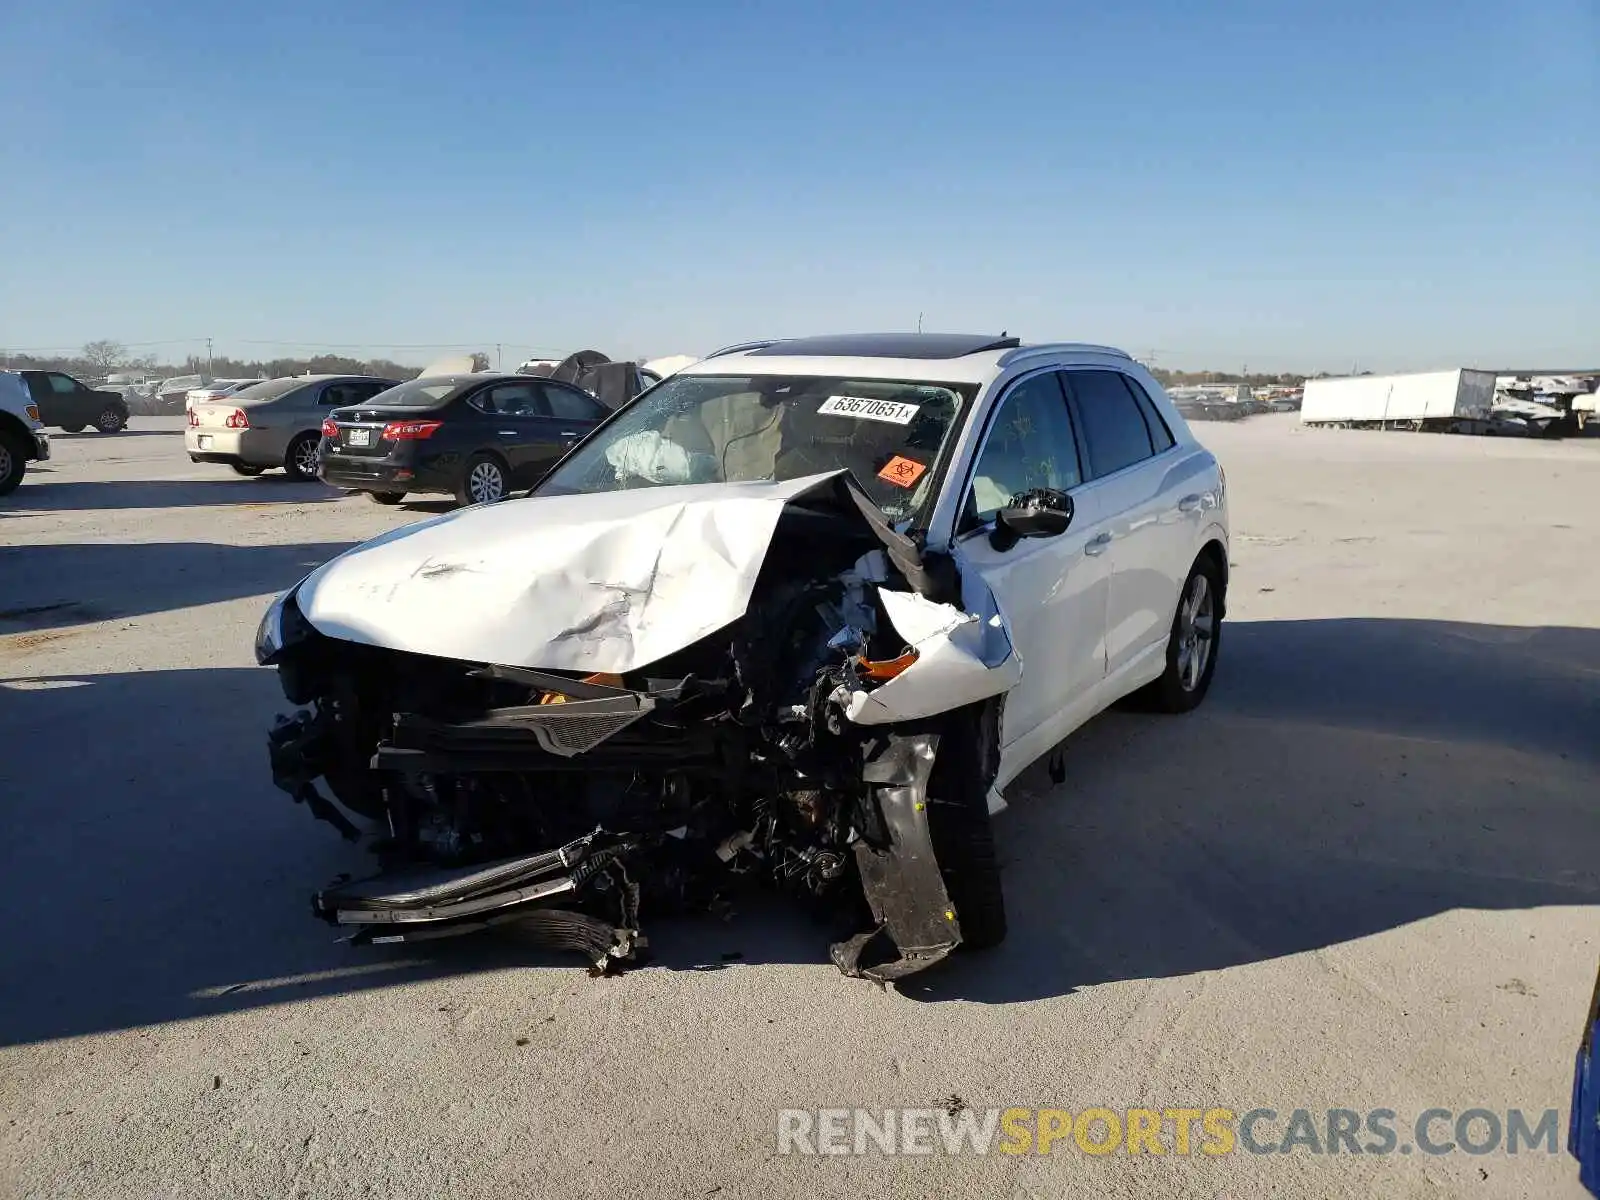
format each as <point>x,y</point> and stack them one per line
<point>277,423</point>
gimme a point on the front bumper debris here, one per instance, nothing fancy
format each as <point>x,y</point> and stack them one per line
<point>445,902</point>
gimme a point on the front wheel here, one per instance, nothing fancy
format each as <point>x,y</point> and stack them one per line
<point>1194,642</point>
<point>964,768</point>
<point>13,462</point>
<point>300,460</point>
<point>111,420</point>
<point>483,481</point>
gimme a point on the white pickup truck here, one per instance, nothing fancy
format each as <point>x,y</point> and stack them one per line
<point>22,437</point>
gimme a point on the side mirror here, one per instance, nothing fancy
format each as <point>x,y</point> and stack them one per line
<point>1043,512</point>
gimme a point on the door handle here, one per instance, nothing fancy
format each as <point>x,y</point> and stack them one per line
<point>569,433</point>
<point>508,433</point>
<point>1189,504</point>
<point>1098,544</point>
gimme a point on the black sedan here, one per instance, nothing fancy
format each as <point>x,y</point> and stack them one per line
<point>476,437</point>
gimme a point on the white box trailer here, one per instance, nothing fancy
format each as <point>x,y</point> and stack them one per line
<point>1427,398</point>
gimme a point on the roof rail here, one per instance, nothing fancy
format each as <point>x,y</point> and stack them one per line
<point>1022,352</point>
<point>741,347</point>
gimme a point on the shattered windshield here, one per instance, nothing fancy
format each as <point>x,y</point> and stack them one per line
<point>746,429</point>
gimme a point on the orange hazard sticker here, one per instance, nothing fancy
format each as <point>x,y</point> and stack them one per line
<point>902,472</point>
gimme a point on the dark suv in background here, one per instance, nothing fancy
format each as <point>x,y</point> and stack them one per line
<point>69,404</point>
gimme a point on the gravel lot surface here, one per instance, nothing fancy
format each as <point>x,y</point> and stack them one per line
<point>1364,875</point>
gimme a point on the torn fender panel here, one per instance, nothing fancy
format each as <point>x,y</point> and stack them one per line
<point>963,656</point>
<point>901,881</point>
<point>601,582</point>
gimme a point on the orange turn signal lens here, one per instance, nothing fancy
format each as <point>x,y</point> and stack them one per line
<point>602,678</point>
<point>888,668</point>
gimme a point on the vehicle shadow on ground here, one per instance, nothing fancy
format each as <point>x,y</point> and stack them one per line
<point>1344,778</point>
<point>53,586</point>
<point>431,505</point>
<point>165,878</point>
<point>272,488</point>
<point>92,434</point>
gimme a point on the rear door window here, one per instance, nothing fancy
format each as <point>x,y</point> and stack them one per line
<point>511,400</point>
<point>356,392</point>
<point>63,385</point>
<point>334,395</point>
<point>569,404</point>
<point>1160,436</point>
<point>1114,432</point>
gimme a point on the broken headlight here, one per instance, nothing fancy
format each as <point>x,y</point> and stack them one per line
<point>282,625</point>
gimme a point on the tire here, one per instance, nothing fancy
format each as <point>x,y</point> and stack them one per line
<point>111,420</point>
<point>72,429</point>
<point>1196,631</point>
<point>13,462</point>
<point>958,821</point>
<point>300,459</point>
<point>386,497</point>
<point>246,470</point>
<point>484,481</point>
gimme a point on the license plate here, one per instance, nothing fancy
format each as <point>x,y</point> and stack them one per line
<point>361,437</point>
<point>205,441</point>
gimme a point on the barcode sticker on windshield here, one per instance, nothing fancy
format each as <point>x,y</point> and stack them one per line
<point>863,409</point>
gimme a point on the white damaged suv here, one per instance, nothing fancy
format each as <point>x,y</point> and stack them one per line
<point>797,614</point>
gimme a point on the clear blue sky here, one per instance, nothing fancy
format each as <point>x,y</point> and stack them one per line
<point>1283,185</point>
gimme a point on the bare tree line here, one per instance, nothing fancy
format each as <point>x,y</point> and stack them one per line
<point>98,359</point>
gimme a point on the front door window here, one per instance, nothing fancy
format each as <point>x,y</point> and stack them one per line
<point>1029,445</point>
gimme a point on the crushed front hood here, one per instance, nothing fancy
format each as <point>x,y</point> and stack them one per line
<point>610,581</point>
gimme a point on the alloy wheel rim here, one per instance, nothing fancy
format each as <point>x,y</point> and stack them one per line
<point>306,459</point>
<point>485,483</point>
<point>1196,633</point>
<point>109,421</point>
